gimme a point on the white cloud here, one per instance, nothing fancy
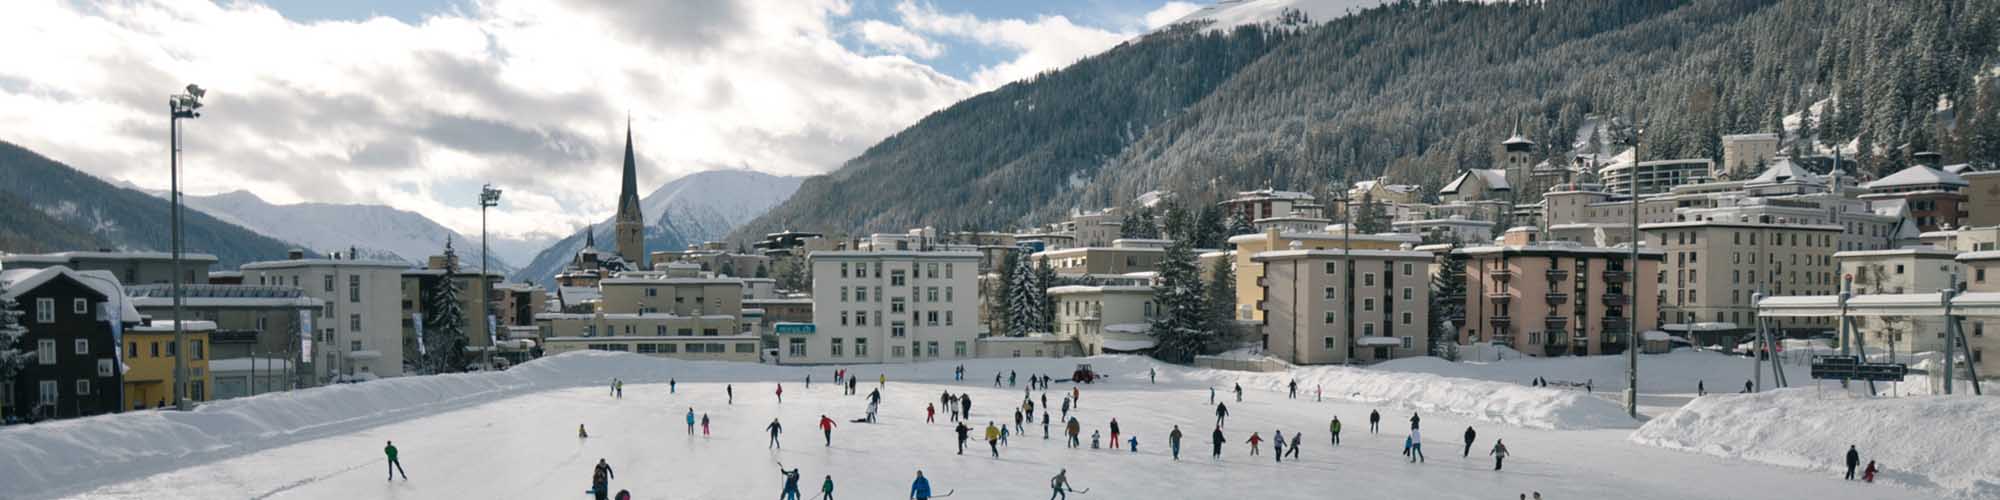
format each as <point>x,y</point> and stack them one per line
<point>895,39</point>
<point>530,95</point>
<point>1167,14</point>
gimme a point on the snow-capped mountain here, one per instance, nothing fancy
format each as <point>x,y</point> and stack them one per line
<point>1229,13</point>
<point>374,231</point>
<point>704,206</point>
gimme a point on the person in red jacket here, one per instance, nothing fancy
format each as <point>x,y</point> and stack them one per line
<point>826,426</point>
<point>781,393</point>
<point>930,413</point>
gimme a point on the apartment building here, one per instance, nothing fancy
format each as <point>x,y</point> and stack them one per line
<point>1110,319</point>
<point>1655,176</point>
<point>131,268</point>
<point>1911,270</point>
<point>261,325</point>
<point>676,313</point>
<point>1745,154</point>
<point>1982,198</point>
<point>888,307</point>
<point>1308,316</point>
<point>360,328</point>
<point>1122,257</point>
<point>1554,298</point>
<point>1977,266</point>
<point>1249,272</point>
<point>150,370</point>
<point>1714,267</point>
<point>1934,198</point>
<point>68,315</point>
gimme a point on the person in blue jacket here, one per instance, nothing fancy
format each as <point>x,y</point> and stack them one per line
<point>921,488</point>
<point>690,419</point>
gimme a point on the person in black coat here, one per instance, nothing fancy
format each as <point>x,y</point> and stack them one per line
<point>963,433</point>
<point>1469,435</point>
<point>1216,439</point>
<point>1853,459</point>
<point>1374,422</point>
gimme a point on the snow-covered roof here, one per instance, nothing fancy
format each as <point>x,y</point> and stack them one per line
<point>167,326</point>
<point>1961,168</point>
<point>1268,194</point>
<point>68,256</point>
<point>1300,254</point>
<point>1786,171</point>
<point>294,263</point>
<point>1069,289</point>
<point>1517,139</point>
<point>1918,175</point>
<point>1128,328</point>
<point>1128,345</point>
<point>14,281</point>
<point>1495,179</point>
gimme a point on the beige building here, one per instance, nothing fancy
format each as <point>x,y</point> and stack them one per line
<point>473,292</point>
<point>1554,298</point>
<point>1123,256</point>
<point>1104,319</point>
<point>655,293</point>
<point>132,268</point>
<point>1914,270</point>
<point>1982,334</point>
<point>887,307</point>
<point>713,337</point>
<point>1745,155</point>
<point>1306,310</point>
<point>1982,203</point>
<point>1714,267</point>
<point>360,330</point>
<point>1249,271</point>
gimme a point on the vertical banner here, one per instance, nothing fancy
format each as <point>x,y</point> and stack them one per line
<point>417,320</point>
<point>492,331</point>
<point>305,335</point>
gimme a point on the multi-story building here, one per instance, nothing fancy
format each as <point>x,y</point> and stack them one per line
<point>1250,272</point>
<point>360,328</point>
<point>1910,270</point>
<point>1934,198</point>
<point>149,359</point>
<point>675,313</point>
<point>1272,203</point>
<point>1745,155</point>
<point>1333,306</point>
<point>254,326</point>
<point>1104,319</point>
<point>131,268</point>
<point>1655,176</point>
<point>474,291</point>
<point>713,258</point>
<point>1552,298</point>
<point>1982,334</point>
<point>888,307</point>
<point>1713,267</point>
<point>1122,257</point>
<point>68,316</point>
<point>1982,198</point>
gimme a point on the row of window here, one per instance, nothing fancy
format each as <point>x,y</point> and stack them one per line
<point>658,331</point>
<point>1334,292</point>
<point>930,294</point>
<point>837,348</point>
<point>1368,278</point>
<point>928,318</point>
<point>896,276</point>
<point>1368,328</point>
<point>195,350</point>
<point>1327,342</point>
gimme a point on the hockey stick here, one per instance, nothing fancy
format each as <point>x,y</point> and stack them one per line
<point>946,494</point>
<point>1079,492</point>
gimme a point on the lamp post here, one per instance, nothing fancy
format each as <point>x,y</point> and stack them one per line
<point>179,106</point>
<point>488,198</point>
<point>1629,136</point>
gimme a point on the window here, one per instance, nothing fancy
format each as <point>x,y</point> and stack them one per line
<point>105,367</point>
<point>896,277</point>
<point>652,292</point>
<point>931,294</point>
<point>930,271</point>
<point>746,347</point>
<point>860,347</point>
<point>1331,268</point>
<point>798,347</point>
<point>47,392</point>
<point>45,351</point>
<point>685,332</point>
<point>659,330</point>
<point>328,282</point>
<point>648,348</point>
<point>1368,304</point>
<point>878,317</point>
<point>860,318</point>
<point>1331,292</point>
<point>80,306</point>
<point>1367,329</point>
<point>354,288</point>
<point>897,351</point>
<point>1326,343</point>
<point>835,348</point>
<point>930,318</point>
<point>709,332</point>
<point>1406,319</point>
<point>947,291</point>
<point>354,322</point>
<point>351,345</point>
<point>83,346</point>
<point>897,329</point>
<point>947,272</point>
<point>843,294</point>
<point>45,310</point>
<point>1409,342</point>
<point>958,347</point>
<point>1408,269</point>
<point>843,269</point>
<point>896,305</point>
<point>132,350</point>
<point>1367,279</point>
<point>1329,317</point>
<point>860,294</point>
<point>947,318</point>
<point>1408,293</point>
<point>843,318</point>
<point>1899,269</point>
<point>83,387</point>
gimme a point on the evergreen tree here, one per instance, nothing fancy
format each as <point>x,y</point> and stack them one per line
<point>1239,224</point>
<point>12,358</point>
<point>444,320</point>
<point>796,275</point>
<point>1211,228</point>
<point>1221,293</point>
<point>1045,277</point>
<point>1024,311</point>
<point>1139,224</point>
<point>1180,329</point>
<point>762,272</point>
<point>728,268</point>
<point>1447,299</point>
<point>1178,225</point>
<point>1368,216</point>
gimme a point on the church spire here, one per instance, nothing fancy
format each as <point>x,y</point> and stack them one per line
<point>629,228</point>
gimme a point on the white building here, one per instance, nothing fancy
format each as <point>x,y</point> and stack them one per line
<point>1105,318</point>
<point>887,307</point>
<point>359,332</point>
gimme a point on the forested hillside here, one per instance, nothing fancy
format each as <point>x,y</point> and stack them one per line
<point>1420,90</point>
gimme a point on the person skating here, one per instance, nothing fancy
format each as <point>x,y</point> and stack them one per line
<point>1416,445</point>
<point>1174,442</point>
<point>920,489</point>
<point>1374,422</point>
<point>1003,434</point>
<point>1278,445</point>
<point>1096,439</point>
<point>1076,396</point>
<point>1700,388</point>
<point>580,433</point>
<point>1017,421</point>
<point>1216,440</point>
<point>673,386</point>
<point>993,438</point>
<point>1239,393</point>
<point>1294,388</point>
<point>1868,475</point>
<point>1045,424</point>
<point>791,484</point>
<point>809,381</point>
<point>395,466</point>
<point>690,421</point>
<point>1414,420</point>
<point>1075,431</point>
<point>882,381</point>
<point>1317,394</point>
<point>1010,378</point>
<point>1333,428</point>
<point>966,401</point>
<point>1114,433</point>
<point>1255,441</point>
<point>1065,406</point>
<point>930,413</point>
<point>1221,414</point>
<point>731,391</point>
<point>704,425</point>
<point>781,393</point>
<point>1211,395</point>
<point>826,488</point>
<point>1499,453</point>
<point>774,428</point>
<point>826,426</point>
<point>963,433</point>
<point>604,469</point>
<point>599,486</point>
<point>1294,450</point>
<point>1152,375</point>
<point>619,388</point>
<point>1853,460</point>
<point>1469,434</point>
<point>1060,485</point>
<point>851,388</point>
<point>996,379</point>
<point>1747,387</point>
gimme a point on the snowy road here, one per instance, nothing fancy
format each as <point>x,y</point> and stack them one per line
<point>526,447</point>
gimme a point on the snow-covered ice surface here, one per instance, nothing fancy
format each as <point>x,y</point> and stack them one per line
<point>513,435</point>
<point>1945,443</point>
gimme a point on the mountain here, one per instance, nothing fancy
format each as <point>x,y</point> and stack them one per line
<point>1227,14</point>
<point>704,206</point>
<point>81,212</point>
<point>374,231</point>
<point>1417,91</point>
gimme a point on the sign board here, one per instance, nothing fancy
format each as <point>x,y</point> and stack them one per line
<point>794,328</point>
<point>1852,368</point>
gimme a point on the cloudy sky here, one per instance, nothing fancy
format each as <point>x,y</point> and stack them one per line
<point>416,103</point>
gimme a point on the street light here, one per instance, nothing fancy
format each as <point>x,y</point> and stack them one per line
<point>489,197</point>
<point>1628,134</point>
<point>179,106</point>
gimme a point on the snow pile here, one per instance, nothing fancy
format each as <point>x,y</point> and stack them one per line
<point>1501,402</point>
<point>1674,372</point>
<point>1945,443</point>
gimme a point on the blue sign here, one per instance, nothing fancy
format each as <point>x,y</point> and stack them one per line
<point>794,328</point>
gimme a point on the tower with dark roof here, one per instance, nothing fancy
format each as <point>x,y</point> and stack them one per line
<point>629,228</point>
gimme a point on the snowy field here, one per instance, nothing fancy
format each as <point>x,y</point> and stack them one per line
<point>514,436</point>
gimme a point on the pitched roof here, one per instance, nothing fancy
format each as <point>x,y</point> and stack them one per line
<point>1495,179</point>
<point>1786,171</point>
<point>1919,175</point>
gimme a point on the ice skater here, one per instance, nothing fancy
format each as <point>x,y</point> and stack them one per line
<point>395,466</point>
<point>1469,435</point>
<point>826,426</point>
<point>1333,428</point>
<point>1173,442</point>
<point>774,428</point>
<point>1416,446</point>
<point>690,420</point>
<point>1221,414</point>
<point>1499,453</point>
<point>791,491</point>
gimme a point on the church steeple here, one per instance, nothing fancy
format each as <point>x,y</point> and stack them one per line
<point>630,225</point>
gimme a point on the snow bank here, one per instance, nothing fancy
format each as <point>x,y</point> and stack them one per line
<point>1501,402</point>
<point>1673,372</point>
<point>1945,443</point>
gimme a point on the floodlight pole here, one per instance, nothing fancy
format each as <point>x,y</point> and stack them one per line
<point>179,106</point>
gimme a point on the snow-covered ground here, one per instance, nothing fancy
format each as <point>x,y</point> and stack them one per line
<point>513,435</point>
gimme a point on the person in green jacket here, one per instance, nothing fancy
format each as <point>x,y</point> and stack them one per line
<point>826,488</point>
<point>395,467</point>
<point>1334,427</point>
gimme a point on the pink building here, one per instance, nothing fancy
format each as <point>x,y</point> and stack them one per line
<point>1554,298</point>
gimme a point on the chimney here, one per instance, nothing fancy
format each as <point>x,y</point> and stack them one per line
<point>1927,158</point>
<point>295,254</point>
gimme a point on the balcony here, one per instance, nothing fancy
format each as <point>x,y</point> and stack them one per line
<point>1615,324</point>
<point>1617,299</point>
<point>1501,274</point>
<point>1499,297</point>
<point>1456,317</point>
<point>1558,274</point>
<point>1557,297</point>
<point>1617,276</point>
<point>1500,321</point>
<point>1555,322</point>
